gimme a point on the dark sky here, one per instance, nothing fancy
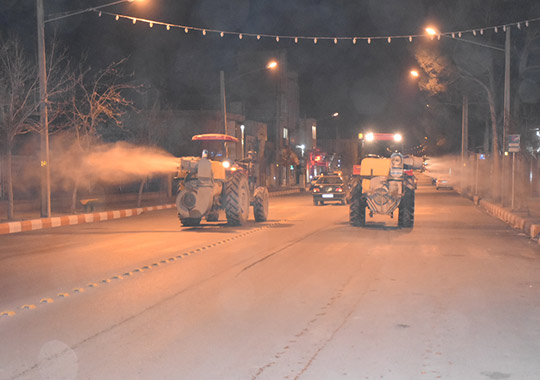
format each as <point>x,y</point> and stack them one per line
<point>365,83</point>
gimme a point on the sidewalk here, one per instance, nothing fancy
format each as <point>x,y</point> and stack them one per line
<point>526,219</point>
<point>114,207</point>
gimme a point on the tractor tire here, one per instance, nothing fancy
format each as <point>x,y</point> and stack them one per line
<point>406,209</point>
<point>237,199</point>
<point>357,208</point>
<point>260,204</point>
<point>213,216</point>
<point>190,222</point>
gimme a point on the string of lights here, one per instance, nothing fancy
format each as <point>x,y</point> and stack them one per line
<point>315,39</point>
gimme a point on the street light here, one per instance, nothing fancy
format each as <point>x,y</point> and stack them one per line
<point>45,173</point>
<point>506,116</point>
<point>270,66</point>
<point>89,9</point>
<point>43,116</point>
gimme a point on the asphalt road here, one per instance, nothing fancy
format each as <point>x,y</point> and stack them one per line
<point>303,296</point>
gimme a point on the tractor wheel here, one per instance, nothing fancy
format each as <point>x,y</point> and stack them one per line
<point>406,209</point>
<point>357,208</point>
<point>237,199</point>
<point>190,222</point>
<point>260,204</point>
<point>213,216</point>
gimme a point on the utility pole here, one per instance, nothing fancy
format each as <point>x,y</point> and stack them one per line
<point>464,138</point>
<point>506,115</point>
<point>43,117</point>
<point>224,108</point>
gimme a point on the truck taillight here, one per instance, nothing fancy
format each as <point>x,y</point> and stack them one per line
<point>316,190</point>
<point>339,189</point>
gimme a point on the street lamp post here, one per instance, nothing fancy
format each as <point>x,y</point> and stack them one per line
<point>506,117</point>
<point>223,97</point>
<point>43,117</point>
<point>45,174</point>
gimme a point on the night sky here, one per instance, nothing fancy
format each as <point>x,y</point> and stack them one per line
<point>366,84</point>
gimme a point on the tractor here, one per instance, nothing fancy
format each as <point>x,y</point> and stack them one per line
<point>212,182</point>
<point>383,186</point>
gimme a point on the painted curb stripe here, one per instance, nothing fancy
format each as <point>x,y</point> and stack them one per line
<point>37,224</point>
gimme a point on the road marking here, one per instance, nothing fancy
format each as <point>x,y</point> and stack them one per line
<point>105,216</point>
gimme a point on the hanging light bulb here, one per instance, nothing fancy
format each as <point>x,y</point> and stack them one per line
<point>335,41</point>
<point>519,25</point>
<point>369,40</point>
<point>410,38</point>
<point>482,32</point>
<point>258,37</point>
<point>459,34</point>
<point>168,27</point>
<point>354,40</point>
<point>204,32</point>
<point>496,30</point>
<point>99,14</point>
<point>504,28</point>
<point>389,39</point>
<point>134,20</point>
<point>277,38</point>
<point>295,40</point>
<point>221,34</point>
<point>314,40</point>
<point>527,24</point>
<point>240,36</point>
<point>151,25</point>
<point>438,37</point>
<point>474,32</point>
<point>453,35</point>
<point>186,30</point>
<point>117,17</point>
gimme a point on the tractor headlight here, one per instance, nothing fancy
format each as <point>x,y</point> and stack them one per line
<point>370,136</point>
<point>226,164</point>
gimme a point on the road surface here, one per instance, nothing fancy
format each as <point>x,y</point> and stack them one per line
<point>303,296</point>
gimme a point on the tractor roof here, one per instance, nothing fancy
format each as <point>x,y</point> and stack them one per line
<point>214,137</point>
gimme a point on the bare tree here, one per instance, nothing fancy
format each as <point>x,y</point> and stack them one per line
<point>18,102</point>
<point>97,100</point>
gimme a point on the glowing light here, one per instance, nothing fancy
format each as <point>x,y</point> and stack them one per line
<point>370,136</point>
<point>335,114</point>
<point>360,136</point>
<point>226,164</point>
<point>398,137</point>
<point>271,65</point>
<point>431,31</point>
<point>415,73</point>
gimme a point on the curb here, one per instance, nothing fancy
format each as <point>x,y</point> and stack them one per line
<point>68,220</point>
<point>283,192</point>
<point>516,221</point>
